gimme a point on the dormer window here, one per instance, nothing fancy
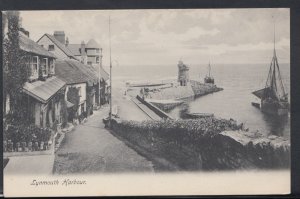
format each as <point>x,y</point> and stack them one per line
<point>44,64</point>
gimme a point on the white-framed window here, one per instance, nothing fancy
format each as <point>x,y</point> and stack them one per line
<point>34,60</point>
<point>51,66</point>
<point>44,66</point>
<point>51,48</point>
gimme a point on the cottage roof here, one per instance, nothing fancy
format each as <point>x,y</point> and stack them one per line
<point>104,75</point>
<point>44,90</point>
<point>61,46</point>
<point>74,72</point>
<point>92,44</point>
<point>75,49</point>
<point>30,46</point>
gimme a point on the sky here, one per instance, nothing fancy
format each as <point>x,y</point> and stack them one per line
<point>158,37</point>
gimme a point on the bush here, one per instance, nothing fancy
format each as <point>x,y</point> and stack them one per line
<point>180,129</point>
<point>25,133</point>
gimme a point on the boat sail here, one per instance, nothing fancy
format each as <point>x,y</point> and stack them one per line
<point>209,78</point>
<point>274,99</point>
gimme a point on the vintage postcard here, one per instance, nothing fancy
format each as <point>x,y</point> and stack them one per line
<point>146,102</point>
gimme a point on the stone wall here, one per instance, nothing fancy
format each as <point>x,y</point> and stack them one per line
<point>200,89</point>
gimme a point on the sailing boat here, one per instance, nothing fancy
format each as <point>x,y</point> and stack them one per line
<point>274,99</point>
<point>209,79</point>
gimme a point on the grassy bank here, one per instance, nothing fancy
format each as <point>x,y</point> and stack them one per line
<point>199,144</point>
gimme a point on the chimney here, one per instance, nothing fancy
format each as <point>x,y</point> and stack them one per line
<point>67,41</point>
<point>82,48</point>
<point>60,36</point>
<point>25,32</point>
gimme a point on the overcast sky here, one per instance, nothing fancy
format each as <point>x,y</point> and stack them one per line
<point>147,37</point>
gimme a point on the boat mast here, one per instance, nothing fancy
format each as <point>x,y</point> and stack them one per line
<point>110,67</point>
<point>209,69</point>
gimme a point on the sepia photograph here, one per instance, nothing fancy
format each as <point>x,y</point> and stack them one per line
<point>146,102</point>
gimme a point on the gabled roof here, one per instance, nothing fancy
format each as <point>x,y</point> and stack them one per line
<point>74,48</point>
<point>92,44</point>
<point>61,46</point>
<point>74,72</point>
<point>44,90</point>
<point>30,46</point>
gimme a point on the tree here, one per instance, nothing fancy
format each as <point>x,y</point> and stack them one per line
<point>16,71</point>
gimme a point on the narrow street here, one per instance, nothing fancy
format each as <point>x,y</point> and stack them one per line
<point>91,148</point>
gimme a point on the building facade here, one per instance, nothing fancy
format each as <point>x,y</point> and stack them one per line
<point>83,78</point>
<point>43,92</point>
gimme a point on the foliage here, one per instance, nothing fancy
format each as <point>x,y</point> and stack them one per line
<point>91,92</point>
<point>64,113</point>
<point>191,129</point>
<point>16,71</point>
<point>25,133</point>
<point>73,97</point>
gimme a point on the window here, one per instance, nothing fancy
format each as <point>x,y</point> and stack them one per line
<point>79,91</point>
<point>51,66</point>
<point>89,63</point>
<point>51,48</point>
<point>97,59</point>
<point>42,46</point>
<point>34,65</point>
<point>44,64</point>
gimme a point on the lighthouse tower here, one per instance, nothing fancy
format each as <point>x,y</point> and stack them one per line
<point>183,74</point>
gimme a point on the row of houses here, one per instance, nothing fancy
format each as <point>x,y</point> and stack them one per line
<point>57,69</point>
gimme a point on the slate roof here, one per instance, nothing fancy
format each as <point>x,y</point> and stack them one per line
<point>44,90</point>
<point>92,44</point>
<point>74,48</point>
<point>74,72</point>
<point>66,50</point>
<point>30,46</point>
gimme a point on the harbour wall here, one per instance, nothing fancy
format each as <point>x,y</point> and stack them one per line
<point>205,144</point>
<point>192,89</point>
<point>155,109</point>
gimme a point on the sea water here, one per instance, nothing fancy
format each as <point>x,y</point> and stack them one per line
<point>238,81</point>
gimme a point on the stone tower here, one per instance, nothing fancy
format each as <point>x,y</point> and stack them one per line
<point>183,74</point>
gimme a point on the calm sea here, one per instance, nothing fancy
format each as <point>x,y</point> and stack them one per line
<point>238,81</point>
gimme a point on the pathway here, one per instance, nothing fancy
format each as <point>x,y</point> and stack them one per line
<point>90,148</point>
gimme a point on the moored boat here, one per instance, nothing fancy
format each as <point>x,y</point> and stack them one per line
<point>198,115</point>
<point>209,79</point>
<point>274,99</point>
